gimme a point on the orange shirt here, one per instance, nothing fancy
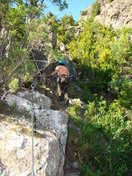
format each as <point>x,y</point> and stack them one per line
<point>62,70</point>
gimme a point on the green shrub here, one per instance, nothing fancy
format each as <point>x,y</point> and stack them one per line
<point>84,12</point>
<point>75,112</point>
<point>87,171</point>
<point>104,140</point>
<point>14,85</point>
<point>95,8</point>
<point>123,88</point>
<point>92,47</point>
<point>66,29</point>
<point>109,1</point>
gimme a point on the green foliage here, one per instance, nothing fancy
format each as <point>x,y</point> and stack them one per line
<point>94,80</point>
<point>35,8</point>
<point>62,4</point>
<point>109,1</point>
<point>111,118</point>
<point>104,139</point>
<point>123,88</point>
<point>75,112</point>
<point>86,171</point>
<point>92,46</point>
<point>51,18</point>
<point>14,22</point>
<point>56,54</point>
<point>104,56</point>
<point>19,66</point>
<point>23,30</point>
<point>14,85</point>
<point>84,12</point>
<point>87,94</point>
<point>95,8</point>
<point>37,31</point>
<point>66,29</point>
<point>121,50</point>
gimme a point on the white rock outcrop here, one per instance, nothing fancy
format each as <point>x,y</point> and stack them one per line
<point>38,98</point>
<point>49,143</point>
<point>15,152</point>
<point>117,13</point>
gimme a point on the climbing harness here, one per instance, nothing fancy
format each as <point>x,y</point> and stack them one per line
<point>33,85</point>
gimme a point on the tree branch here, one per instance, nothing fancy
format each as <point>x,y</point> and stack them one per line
<point>42,1</point>
<point>13,71</point>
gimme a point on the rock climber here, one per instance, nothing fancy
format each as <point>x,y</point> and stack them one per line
<point>62,80</point>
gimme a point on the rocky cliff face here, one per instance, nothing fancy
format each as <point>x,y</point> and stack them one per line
<point>117,14</point>
<point>49,141</point>
<point>15,152</point>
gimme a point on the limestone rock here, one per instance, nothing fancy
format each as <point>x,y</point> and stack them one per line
<point>85,14</point>
<point>16,153</point>
<point>76,101</point>
<point>116,14</point>
<point>55,122</point>
<point>45,118</point>
<point>38,98</point>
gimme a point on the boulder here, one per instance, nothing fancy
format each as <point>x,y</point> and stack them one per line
<point>16,152</point>
<point>53,126</point>
<point>38,98</point>
<point>116,13</point>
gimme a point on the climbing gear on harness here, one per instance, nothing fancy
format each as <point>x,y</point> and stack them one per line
<point>62,79</point>
<point>63,75</point>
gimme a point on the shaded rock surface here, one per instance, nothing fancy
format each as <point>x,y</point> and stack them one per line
<point>49,149</point>
<point>72,67</point>
<point>38,98</point>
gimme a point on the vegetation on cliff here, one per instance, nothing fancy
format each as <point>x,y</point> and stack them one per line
<point>104,58</point>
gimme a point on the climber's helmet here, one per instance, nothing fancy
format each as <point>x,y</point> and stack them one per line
<point>61,62</point>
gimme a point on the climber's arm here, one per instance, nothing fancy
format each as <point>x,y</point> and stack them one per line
<point>54,73</point>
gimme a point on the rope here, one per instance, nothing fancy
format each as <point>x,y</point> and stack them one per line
<point>3,96</point>
<point>33,85</point>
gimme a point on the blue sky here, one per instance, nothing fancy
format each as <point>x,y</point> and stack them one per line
<point>74,8</point>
